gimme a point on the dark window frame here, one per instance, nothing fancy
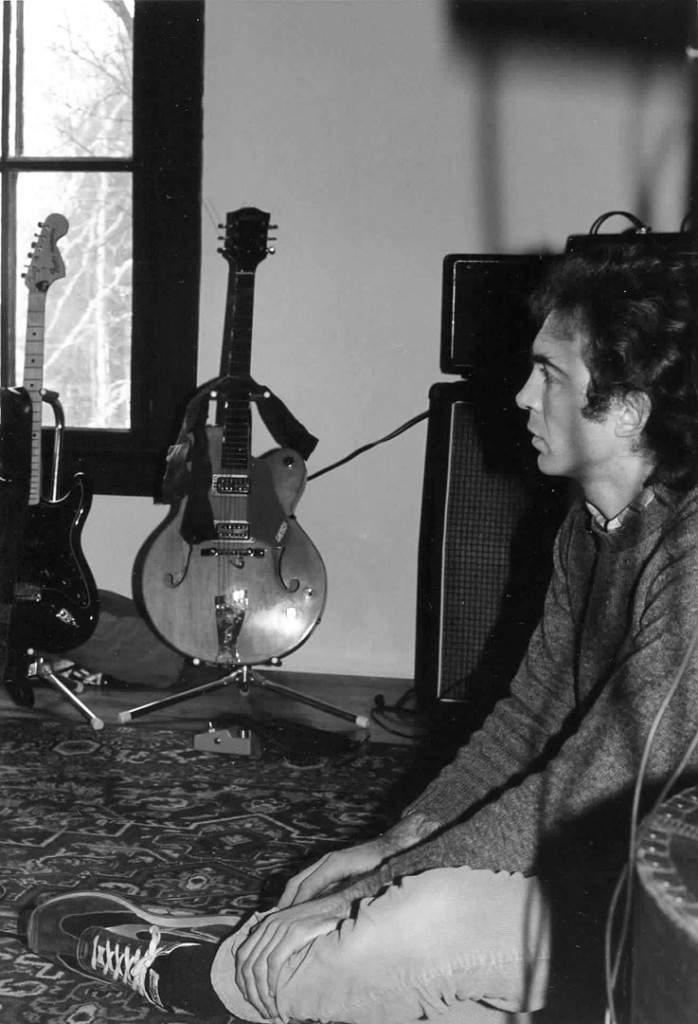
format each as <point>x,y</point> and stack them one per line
<point>166,166</point>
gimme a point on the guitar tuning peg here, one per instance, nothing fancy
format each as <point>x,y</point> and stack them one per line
<point>273,227</point>
<point>271,250</point>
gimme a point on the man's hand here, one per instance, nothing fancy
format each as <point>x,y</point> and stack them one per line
<point>313,903</point>
<point>333,868</point>
<point>276,938</point>
<point>344,866</point>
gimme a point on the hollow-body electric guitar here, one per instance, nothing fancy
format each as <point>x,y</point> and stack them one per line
<point>56,599</point>
<point>255,588</point>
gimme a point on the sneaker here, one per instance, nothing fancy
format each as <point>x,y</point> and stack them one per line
<point>56,924</point>
<point>124,956</point>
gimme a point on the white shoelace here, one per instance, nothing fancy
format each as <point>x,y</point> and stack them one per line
<point>116,960</point>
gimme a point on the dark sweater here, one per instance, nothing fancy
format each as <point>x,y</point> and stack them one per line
<point>546,785</point>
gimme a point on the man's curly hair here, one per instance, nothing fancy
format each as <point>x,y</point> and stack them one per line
<point>638,316</point>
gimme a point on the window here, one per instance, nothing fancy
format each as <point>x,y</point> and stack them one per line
<point>102,125</point>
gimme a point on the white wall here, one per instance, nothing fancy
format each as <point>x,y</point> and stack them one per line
<point>378,145</point>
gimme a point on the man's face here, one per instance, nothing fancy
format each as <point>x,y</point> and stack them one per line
<point>554,395</point>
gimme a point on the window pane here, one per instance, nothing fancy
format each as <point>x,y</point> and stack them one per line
<point>87,339</point>
<point>78,78</point>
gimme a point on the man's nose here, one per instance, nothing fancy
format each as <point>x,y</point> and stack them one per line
<point>526,397</point>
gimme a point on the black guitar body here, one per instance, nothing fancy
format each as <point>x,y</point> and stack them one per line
<point>56,598</point>
<point>15,455</point>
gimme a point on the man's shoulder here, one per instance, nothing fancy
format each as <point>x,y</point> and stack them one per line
<point>677,510</point>
<point>670,528</point>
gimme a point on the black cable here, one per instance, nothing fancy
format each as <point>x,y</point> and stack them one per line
<point>372,444</point>
<point>635,221</point>
<point>422,722</point>
<point>686,221</point>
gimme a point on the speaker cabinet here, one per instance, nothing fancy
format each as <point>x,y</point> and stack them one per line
<point>664,979</point>
<point>484,308</point>
<point>488,522</point>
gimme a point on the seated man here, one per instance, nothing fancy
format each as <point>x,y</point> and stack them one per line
<point>491,890</point>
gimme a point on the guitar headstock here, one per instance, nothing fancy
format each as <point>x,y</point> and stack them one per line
<point>246,239</point>
<point>46,263</point>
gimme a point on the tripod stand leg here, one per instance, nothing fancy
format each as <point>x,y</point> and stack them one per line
<point>45,670</point>
<point>144,709</point>
<point>251,676</point>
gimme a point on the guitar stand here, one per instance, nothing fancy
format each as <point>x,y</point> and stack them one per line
<point>245,676</point>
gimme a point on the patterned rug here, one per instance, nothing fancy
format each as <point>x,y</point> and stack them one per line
<point>144,814</point>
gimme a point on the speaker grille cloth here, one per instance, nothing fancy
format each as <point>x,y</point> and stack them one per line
<point>483,508</point>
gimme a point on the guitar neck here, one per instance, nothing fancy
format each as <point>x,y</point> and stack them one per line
<point>34,382</point>
<point>236,352</point>
<point>234,415</point>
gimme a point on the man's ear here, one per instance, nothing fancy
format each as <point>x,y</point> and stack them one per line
<point>634,409</point>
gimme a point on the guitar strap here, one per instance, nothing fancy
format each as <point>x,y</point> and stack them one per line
<point>188,468</point>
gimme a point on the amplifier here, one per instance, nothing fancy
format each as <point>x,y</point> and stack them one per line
<point>681,246</point>
<point>488,522</point>
<point>484,309</point>
<point>665,924</point>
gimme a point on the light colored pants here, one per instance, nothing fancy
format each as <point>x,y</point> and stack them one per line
<point>449,945</point>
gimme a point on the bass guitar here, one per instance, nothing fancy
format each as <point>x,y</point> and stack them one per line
<point>253,589</point>
<point>56,600</point>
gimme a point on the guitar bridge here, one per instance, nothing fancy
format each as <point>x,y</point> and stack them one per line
<point>232,552</point>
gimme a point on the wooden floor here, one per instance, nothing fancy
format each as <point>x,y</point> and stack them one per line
<point>120,705</point>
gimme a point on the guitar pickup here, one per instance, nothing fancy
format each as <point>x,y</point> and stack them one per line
<point>232,530</point>
<point>224,483</point>
<point>233,552</point>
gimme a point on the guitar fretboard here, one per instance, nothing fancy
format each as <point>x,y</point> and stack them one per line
<point>236,353</point>
<point>34,382</point>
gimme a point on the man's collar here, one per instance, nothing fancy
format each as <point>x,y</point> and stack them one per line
<point>638,503</point>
